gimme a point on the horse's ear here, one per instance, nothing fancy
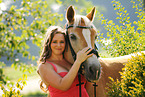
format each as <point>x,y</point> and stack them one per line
<point>91,15</point>
<point>70,14</point>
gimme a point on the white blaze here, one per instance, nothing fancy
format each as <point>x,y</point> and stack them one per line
<point>87,36</point>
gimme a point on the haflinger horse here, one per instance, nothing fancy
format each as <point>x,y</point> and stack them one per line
<point>81,33</point>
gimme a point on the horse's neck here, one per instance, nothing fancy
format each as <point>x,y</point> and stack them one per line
<point>116,60</point>
<point>68,55</point>
<point>119,60</point>
<point>112,66</point>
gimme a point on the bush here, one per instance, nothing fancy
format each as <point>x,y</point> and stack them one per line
<point>132,82</point>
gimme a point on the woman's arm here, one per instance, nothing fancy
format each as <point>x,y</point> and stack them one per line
<point>49,76</point>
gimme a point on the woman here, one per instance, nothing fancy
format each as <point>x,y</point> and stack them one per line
<point>59,76</point>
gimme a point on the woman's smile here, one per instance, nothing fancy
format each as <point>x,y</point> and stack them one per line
<point>58,44</point>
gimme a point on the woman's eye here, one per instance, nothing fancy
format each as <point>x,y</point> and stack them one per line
<point>73,37</point>
<point>54,42</point>
<point>62,42</point>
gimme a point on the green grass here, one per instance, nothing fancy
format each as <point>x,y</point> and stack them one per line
<point>37,94</point>
<point>14,75</point>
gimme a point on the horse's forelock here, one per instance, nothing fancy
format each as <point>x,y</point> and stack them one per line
<point>88,23</point>
<point>78,20</point>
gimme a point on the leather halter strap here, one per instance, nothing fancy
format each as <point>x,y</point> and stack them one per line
<point>74,56</point>
<point>72,51</point>
<point>84,27</point>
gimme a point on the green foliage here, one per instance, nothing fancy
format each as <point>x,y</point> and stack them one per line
<point>114,89</point>
<point>2,76</point>
<point>18,27</point>
<point>16,20</point>
<point>125,38</point>
<point>132,82</point>
<point>9,88</point>
<point>12,89</point>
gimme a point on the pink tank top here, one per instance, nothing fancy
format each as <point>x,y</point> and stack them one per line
<point>73,91</point>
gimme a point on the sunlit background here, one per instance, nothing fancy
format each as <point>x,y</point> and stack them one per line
<point>104,6</point>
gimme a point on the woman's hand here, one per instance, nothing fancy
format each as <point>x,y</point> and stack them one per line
<point>83,54</point>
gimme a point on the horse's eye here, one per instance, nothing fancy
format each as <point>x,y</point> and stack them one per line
<point>73,37</point>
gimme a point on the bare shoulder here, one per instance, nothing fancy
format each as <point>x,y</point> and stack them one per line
<point>47,73</point>
<point>44,67</point>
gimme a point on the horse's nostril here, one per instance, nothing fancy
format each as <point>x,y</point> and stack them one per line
<point>97,76</point>
<point>91,69</point>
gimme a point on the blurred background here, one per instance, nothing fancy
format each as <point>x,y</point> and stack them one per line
<point>23,24</point>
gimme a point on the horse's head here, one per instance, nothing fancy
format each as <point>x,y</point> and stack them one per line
<point>81,33</point>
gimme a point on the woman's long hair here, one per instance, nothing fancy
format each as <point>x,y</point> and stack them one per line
<point>46,50</point>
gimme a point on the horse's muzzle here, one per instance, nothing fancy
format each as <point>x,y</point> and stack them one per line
<point>92,69</point>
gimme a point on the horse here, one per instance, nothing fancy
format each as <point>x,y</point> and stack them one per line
<point>81,33</point>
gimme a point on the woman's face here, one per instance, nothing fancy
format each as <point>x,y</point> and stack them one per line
<point>58,44</point>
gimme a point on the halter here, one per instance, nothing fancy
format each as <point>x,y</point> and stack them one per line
<point>74,56</point>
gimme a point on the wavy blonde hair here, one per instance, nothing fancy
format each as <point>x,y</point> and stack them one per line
<point>46,50</point>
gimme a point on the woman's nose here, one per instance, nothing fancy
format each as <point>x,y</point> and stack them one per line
<point>58,44</point>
